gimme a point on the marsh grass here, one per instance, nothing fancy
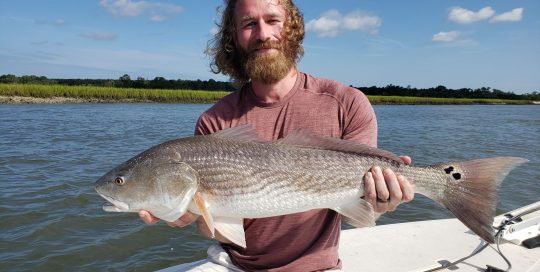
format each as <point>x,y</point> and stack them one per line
<point>113,94</point>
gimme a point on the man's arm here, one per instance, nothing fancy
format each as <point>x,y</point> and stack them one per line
<point>382,188</point>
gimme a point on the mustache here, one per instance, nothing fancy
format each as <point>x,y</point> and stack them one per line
<point>265,45</point>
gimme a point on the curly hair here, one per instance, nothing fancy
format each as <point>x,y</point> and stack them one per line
<point>224,54</point>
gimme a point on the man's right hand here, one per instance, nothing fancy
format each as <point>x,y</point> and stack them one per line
<point>181,222</point>
<point>187,219</point>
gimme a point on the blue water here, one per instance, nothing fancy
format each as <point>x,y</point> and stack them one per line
<point>50,156</point>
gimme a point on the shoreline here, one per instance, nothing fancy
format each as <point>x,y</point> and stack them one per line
<point>17,100</point>
<point>64,100</point>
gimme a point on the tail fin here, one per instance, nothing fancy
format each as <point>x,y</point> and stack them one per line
<point>471,191</point>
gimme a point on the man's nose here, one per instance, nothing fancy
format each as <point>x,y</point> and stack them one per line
<point>264,32</point>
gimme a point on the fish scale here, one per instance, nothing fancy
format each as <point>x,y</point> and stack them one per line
<point>283,169</point>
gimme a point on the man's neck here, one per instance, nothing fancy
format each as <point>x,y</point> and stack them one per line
<point>269,93</point>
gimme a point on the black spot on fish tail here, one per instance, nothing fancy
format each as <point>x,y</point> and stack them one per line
<point>457,176</point>
<point>449,170</point>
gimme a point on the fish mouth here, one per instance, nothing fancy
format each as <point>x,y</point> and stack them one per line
<point>114,205</point>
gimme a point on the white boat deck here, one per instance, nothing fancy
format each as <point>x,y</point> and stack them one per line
<point>425,245</point>
<point>420,246</point>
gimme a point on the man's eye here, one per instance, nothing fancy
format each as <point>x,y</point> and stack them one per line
<point>249,25</point>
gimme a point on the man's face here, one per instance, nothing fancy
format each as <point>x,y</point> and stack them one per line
<point>259,27</point>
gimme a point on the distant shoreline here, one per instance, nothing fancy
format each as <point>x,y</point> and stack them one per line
<point>64,100</point>
<point>14,93</point>
<point>377,100</point>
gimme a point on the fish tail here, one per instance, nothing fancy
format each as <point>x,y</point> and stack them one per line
<point>470,192</point>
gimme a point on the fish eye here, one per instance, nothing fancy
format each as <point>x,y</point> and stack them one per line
<point>119,181</point>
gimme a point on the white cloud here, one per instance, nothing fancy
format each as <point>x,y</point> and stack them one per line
<point>157,18</point>
<point>465,16</point>
<point>332,23</point>
<point>450,36</point>
<point>360,21</point>
<point>100,36</point>
<point>327,25</point>
<point>137,8</point>
<point>514,15</point>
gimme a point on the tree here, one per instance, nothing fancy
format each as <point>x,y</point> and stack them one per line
<point>139,83</point>
<point>9,78</point>
<point>124,81</point>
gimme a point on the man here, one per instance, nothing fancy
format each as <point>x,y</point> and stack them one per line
<point>259,44</point>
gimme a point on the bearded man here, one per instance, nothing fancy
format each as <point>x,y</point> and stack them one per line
<point>258,46</point>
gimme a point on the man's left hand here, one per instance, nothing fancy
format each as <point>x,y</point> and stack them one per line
<point>385,190</point>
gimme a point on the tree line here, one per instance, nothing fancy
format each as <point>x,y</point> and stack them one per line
<point>125,81</point>
<point>443,92</point>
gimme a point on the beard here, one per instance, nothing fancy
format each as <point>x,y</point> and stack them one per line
<point>271,67</point>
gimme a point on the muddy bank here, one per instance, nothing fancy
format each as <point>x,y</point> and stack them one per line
<point>61,100</point>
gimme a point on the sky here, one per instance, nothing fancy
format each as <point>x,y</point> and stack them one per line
<point>416,43</point>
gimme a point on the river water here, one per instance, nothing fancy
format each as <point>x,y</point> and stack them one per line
<point>50,156</point>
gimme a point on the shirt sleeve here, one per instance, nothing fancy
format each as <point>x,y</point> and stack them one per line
<point>361,122</point>
<point>204,125</point>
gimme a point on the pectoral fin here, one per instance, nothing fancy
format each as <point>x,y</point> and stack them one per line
<point>204,210</point>
<point>357,213</point>
<point>232,229</point>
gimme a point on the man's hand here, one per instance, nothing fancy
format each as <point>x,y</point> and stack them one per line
<point>187,219</point>
<point>384,190</point>
<point>181,222</point>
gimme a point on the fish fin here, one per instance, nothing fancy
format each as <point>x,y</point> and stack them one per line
<point>203,209</point>
<point>471,191</point>
<point>305,139</point>
<point>176,212</point>
<point>357,213</point>
<point>242,133</point>
<point>232,229</point>
<point>177,189</point>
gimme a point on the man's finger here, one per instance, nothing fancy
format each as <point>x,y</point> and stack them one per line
<point>393,188</point>
<point>406,188</point>
<point>380,185</point>
<point>380,207</point>
<point>369,188</point>
<point>147,218</point>
<point>406,159</point>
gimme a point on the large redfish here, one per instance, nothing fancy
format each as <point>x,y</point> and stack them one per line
<point>230,175</point>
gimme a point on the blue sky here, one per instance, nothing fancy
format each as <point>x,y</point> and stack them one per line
<point>417,43</point>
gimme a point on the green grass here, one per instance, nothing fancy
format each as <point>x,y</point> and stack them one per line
<point>113,94</point>
<point>110,93</point>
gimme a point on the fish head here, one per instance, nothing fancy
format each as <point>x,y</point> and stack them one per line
<point>155,180</point>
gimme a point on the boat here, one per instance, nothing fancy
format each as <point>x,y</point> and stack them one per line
<point>439,245</point>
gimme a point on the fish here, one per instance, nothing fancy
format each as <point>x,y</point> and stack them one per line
<point>231,175</point>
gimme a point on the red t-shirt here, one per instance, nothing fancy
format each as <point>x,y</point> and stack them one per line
<point>305,241</point>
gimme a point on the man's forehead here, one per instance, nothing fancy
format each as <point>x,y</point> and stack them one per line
<point>248,9</point>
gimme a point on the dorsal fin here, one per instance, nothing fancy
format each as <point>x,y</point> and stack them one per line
<point>242,133</point>
<point>310,140</point>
